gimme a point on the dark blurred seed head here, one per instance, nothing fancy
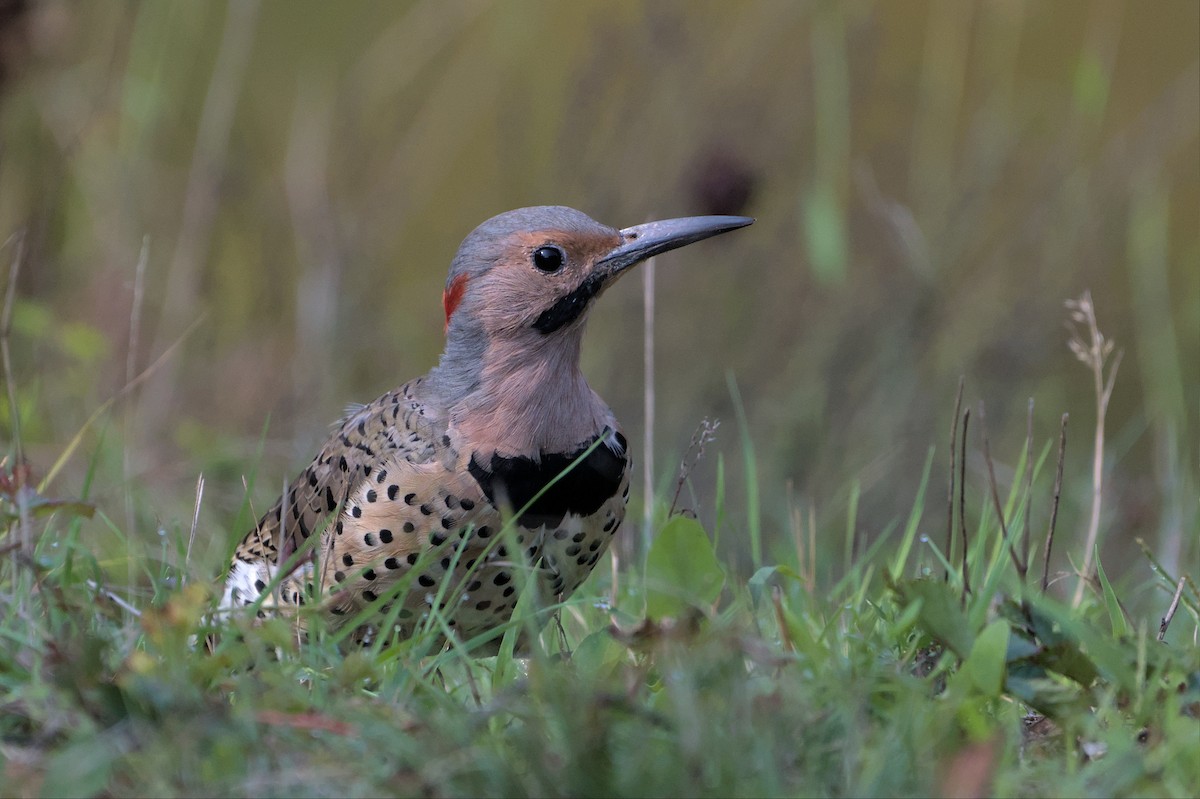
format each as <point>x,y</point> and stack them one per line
<point>721,182</point>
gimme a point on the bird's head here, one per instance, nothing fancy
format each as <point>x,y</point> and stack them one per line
<point>532,274</point>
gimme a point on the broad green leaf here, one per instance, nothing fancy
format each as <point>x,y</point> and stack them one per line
<point>941,613</point>
<point>1120,627</point>
<point>681,569</point>
<point>985,665</point>
<point>82,768</point>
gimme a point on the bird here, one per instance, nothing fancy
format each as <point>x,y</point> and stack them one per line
<point>498,467</point>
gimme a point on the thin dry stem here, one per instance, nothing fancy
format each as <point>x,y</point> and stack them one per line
<point>648,399</point>
<point>962,502</point>
<point>705,433</point>
<point>995,490</point>
<point>5,329</point>
<point>1093,352</point>
<point>131,359</point>
<point>114,598</point>
<point>1026,535</point>
<point>1062,450</point>
<point>108,403</point>
<point>1166,620</point>
<point>187,557</point>
<point>23,530</point>
<point>950,492</point>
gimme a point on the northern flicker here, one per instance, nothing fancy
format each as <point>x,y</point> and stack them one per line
<point>414,489</point>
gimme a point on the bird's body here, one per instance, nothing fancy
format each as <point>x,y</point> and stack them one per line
<point>410,495</point>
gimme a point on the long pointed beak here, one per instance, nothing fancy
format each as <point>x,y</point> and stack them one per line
<point>645,241</point>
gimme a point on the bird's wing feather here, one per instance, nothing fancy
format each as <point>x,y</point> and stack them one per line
<point>395,426</point>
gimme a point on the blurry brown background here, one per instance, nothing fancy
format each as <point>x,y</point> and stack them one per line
<point>931,181</point>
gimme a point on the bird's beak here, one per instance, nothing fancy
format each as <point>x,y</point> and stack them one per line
<point>645,241</point>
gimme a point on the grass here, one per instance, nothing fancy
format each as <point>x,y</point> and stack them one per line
<point>908,674</point>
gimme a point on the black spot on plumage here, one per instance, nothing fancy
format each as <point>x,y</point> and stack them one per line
<point>582,491</point>
<point>260,586</point>
<point>408,527</point>
<point>369,574</point>
<point>372,496</point>
<point>330,502</point>
<point>560,534</point>
<point>347,560</point>
<point>369,539</point>
<point>467,504</point>
<point>445,563</point>
<point>391,563</point>
<point>609,525</point>
<point>447,523</point>
<point>509,591</point>
<point>339,527</point>
<point>385,536</point>
<point>356,512</point>
<point>582,560</point>
<point>501,578</point>
<point>393,490</point>
<point>484,531</point>
<point>475,585</point>
<point>339,577</point>
<point>411,558</point>
<point>578,537</point>
<point>483,604</point>
<point>426,581</point>
<point>437,539</point>
<point>573,550</point>
<point>312,480</point>
<point>409,499</point>
<point>370,596</point>
<point>345,467</point>
<point>426,510</point>
<point>379,478</point>
<point>451,501</point>
<point>592,547</point>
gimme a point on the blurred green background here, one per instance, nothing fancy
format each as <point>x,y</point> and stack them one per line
<point>931,181</point>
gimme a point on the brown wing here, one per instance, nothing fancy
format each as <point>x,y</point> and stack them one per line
<point>396,425</point>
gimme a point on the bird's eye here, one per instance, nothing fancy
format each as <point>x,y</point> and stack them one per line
<point>549,259</point>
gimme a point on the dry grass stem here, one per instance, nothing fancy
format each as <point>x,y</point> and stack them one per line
<point>23,530</point>
<point>187,556</point>
<point>950,491</point>
<point>648,399</point>
<point>1026,535</point>
<point>1093,350</point>
<point>962,501</point>
<point>1166,620</point>
<point>1062,450</point>
<point>705,433</point>
<point>114,598</point>
<point>995,491</point>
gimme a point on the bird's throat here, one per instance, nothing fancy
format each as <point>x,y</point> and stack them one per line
<point>531,400</point>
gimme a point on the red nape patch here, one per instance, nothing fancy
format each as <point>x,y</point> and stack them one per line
<point>453,295</point>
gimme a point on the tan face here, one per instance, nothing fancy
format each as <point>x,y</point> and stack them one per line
<point>543,279</point>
